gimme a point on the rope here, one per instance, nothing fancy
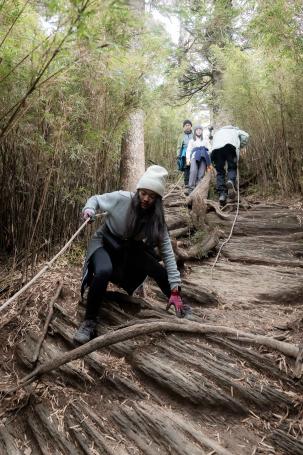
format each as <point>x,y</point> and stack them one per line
<point>45,268</point>
<point>232,227</point>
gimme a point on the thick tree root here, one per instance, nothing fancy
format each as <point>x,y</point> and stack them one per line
<point>199,250</point>
<point>146,329</point>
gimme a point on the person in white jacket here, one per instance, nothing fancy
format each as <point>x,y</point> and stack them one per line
<point>197,156</point>
<point>227,142</point>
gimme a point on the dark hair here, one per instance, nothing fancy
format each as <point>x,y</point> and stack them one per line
<point>149,222</point>
<point>187,122</point>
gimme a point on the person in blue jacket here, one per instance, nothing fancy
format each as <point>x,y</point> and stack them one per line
<point>183,141</point>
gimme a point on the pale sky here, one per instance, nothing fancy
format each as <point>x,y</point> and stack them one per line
<point>171,25</point>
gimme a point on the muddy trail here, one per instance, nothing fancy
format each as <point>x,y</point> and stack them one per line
<point>169,393</point>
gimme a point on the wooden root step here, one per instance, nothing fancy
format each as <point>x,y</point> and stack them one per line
<point>287,443</point>
<point>155,429</point>
<point>188,385</point>
<point>8,444</point>
<point>49,438</point>
<point>258,361</point>
<point>226,373</point>
<point>95,361</point>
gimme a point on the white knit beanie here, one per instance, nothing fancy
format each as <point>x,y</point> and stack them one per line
<point>153,179</point>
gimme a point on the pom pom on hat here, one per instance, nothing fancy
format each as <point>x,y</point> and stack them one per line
<point>153,179</point>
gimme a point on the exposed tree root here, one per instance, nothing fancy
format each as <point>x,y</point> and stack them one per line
<point>197,201</point>
<point>183,231</point>
<point>199,250</point>
<point>214,205</point>
<point>145,329</point>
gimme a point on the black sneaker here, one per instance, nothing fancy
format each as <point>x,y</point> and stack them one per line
<point>231,189</point>
<point>222,198</point>
<point>86,332</point>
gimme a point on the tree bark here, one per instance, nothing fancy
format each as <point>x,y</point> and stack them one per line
<point>132,164</point>
<point>197,200</point>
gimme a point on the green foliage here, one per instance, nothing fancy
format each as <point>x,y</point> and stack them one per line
<point>277,25</point>
<point>261,94</point>
<point>68,83</point>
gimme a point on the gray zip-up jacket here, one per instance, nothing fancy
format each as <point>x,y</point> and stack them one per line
<point>116,204</point>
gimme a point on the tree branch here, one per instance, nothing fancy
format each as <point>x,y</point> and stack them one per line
<point>146,329</point>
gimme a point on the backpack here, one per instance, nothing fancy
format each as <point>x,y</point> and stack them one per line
<point>181,161</point>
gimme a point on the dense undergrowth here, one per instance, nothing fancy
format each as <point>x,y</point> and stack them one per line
<point>69,77</point>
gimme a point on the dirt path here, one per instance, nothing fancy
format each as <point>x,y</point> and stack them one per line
<point>174,394</point>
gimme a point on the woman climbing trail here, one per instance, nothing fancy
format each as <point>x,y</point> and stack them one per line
<point>123,249</point>
<point>197,157</point>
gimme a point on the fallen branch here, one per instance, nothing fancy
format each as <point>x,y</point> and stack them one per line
<point>47,321</point>
<point>146,329</point>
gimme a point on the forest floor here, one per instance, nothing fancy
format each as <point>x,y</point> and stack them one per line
<point>169,393</point>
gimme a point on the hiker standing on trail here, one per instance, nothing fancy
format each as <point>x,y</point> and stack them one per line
<point>227,142</point>
<point>197,157</point>
<point>183,141</point>
<point>123,249</point>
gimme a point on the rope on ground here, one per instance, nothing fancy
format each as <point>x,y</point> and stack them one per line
<point>45,268</point>
<point>232,227</point>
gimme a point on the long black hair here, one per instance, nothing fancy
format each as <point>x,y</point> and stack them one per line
<point>148,223</point>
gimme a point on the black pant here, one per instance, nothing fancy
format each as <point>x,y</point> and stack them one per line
<point>186,175</point>
<point>219,157</point>
<point>129,269</point>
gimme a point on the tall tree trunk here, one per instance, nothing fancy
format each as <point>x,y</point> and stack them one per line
<point>132,164</point>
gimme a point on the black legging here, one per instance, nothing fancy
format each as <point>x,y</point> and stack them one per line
<point>127,270</point>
